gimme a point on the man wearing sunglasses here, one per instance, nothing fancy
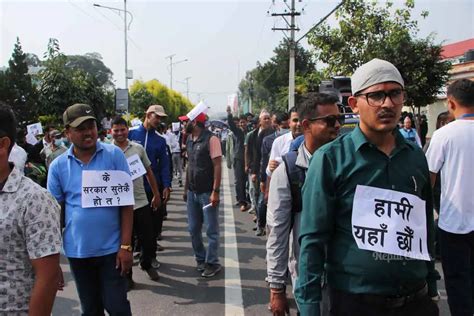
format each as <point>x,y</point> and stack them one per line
<point>345,234</point>
<point>320,122</point>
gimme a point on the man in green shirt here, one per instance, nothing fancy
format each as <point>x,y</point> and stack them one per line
<point>367,242</point>
<point>142,210</point>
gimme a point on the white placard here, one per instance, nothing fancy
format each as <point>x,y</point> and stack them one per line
<point>198,109</point>
<point>137,169</point>
<point>136,122</point>
<point>31,139</point>
<point>106,188</point>
<point>390,222</point>
<point>175,126</point>
<point>34,129</point>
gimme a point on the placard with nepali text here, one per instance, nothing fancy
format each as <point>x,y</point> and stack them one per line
<point>34,129</point>
<point>106,188</point>
<point>390,222</point>
<point>137,169</point>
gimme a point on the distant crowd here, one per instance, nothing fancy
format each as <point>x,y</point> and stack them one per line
<point>354,222</point>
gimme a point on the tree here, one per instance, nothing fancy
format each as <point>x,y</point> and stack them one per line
<point>62,86</point>
<point>16,87</point>
<point>267,84</point>
<point>368,30</point>
<point>92,64</point>
<point>144,94</point>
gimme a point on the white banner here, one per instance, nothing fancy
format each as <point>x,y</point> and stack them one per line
<point>106,188</point>
<point>34,129</point>
<point>31,139</point>
<point>175,126</point>
<point>198,109</point>
<point>136,122</point>
<point>137,169</point>
<point>390,222</point>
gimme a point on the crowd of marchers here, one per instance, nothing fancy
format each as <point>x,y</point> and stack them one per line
<point>353,222</point>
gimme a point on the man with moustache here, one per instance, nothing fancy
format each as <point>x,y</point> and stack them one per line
<point>97,241</point>
<point>344,176</point>
<point>320,120</point>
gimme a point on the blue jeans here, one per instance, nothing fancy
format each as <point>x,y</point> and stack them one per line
<point>210,217</point>
<point>100,285</point>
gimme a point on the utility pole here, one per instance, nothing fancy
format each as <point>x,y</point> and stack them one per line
<point>291,26</point>
<point>171,67</point>
<point>126,43</point>
<point>187,86</point>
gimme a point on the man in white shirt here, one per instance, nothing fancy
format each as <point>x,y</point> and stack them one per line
<point>451,152</point>
<point>281,145</point>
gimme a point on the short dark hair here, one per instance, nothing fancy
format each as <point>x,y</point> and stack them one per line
<point>7,124</point>
<point>443,116</point>
<point>293,110</point>
<point>308,107</point>
<point>281,117</point>
<point>242,117</point>
<point>119,121</point>
<point>463,91</point>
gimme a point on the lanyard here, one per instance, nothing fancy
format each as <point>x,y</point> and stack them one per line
<point>466,116</point>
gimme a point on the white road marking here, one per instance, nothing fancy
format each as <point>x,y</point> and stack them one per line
<point>233,284</point>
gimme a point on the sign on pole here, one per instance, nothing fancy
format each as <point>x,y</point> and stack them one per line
<point>121,100</point>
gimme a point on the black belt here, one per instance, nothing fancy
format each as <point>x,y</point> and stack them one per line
<point>394,301</point>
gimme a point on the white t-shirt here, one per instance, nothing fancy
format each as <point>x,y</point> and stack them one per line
<point>280,147</point>
<point>451,151</point>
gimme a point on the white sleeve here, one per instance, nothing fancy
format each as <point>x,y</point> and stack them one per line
<point>435,154</point>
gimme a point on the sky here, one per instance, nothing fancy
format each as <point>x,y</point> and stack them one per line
<point>221,39</point>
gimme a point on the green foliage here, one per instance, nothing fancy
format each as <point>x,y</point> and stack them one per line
<point>92,64</point>
<point>369,30</point>
<point>63,85</point>
<point>144,94</point>
<point>267,84</point>
<point>16,88</point>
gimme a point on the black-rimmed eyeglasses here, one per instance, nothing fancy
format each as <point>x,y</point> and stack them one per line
<point>377,98</point>
<point>330,120</point>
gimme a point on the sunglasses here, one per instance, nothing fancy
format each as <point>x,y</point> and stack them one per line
<point>330,119</point>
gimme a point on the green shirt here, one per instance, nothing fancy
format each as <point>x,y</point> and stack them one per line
<point>138,186</point>
<point>334,172</point>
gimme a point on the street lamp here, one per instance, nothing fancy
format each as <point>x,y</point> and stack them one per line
<point>171,67</point>
<point>125,28</point>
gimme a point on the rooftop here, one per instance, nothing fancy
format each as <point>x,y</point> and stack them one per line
<point>457,49</point>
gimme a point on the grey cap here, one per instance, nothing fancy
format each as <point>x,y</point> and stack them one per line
<point>374,72</point>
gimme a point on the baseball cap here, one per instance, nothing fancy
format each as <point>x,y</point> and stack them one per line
<point>76,114</point>
<point>157,109</point>
<point>374,72</point>
<point>183,118</point>
<point>55,133</point>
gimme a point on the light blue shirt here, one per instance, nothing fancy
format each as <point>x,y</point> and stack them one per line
<point>89,232</point>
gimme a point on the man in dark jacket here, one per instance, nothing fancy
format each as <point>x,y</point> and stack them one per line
<point>239,161</point>
<point>201,193</point>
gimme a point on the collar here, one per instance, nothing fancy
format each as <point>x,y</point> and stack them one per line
<point>302,160</point>
<point>98,148</point>
<point>359,140</point>
<point>13,181</point>
<point>129,144</point>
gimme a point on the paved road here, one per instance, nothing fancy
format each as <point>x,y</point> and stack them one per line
<point>239,289</point>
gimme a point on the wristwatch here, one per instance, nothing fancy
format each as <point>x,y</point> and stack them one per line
<point>126,247</point>
<point>216,190</point>
<point>277,286</point>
